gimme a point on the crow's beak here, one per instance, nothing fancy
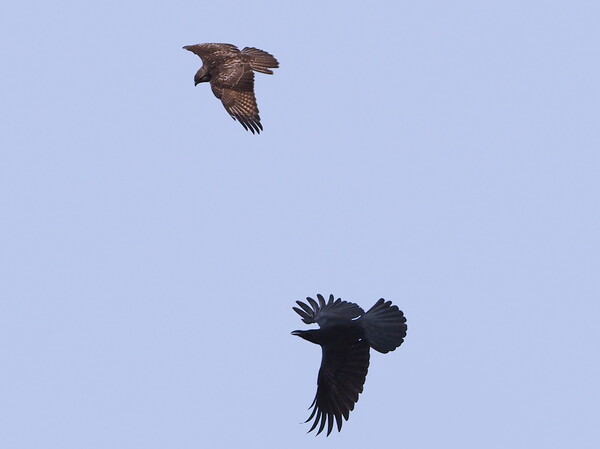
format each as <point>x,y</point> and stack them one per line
<point>296,333</point>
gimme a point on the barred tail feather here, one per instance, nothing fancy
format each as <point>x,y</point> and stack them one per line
<point>260,60</point>
<point>385,326</point>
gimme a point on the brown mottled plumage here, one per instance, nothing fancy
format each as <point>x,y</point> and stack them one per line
<point>231,76</point>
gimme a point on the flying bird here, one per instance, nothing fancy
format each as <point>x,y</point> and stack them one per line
<point>345,334</point>
<point>231,76</point>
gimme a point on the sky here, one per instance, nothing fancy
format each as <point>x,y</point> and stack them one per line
<point>441,155</point>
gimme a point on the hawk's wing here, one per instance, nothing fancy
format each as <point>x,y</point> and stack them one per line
<point>233,83</point>
<point>325,313</point>
<point>341,378</point>
<point>212,54</point>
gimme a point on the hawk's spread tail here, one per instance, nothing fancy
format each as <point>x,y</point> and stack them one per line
<point>260,60</point>
<point>385,326</point>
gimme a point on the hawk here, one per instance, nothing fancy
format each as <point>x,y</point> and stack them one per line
<point>231,75</point>
<point>345,334</point>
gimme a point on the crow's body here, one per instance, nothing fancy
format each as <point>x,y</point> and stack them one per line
<point>345,334</point>
<point>231,76</point>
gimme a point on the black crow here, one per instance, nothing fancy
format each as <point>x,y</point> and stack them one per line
<point>231,76</point>
<point>345,335</point>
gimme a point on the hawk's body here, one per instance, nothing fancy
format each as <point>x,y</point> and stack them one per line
<point>231,76</point>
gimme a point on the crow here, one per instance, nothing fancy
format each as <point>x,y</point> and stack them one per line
<point>345,335</point>
<point>231,76</point>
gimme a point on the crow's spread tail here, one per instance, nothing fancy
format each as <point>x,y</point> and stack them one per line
<point>260,60</point>
<point>385,326</point>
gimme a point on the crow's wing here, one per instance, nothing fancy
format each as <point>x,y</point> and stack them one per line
<point>233,83</point>
<point>341,379</point>
<point>324,313</point>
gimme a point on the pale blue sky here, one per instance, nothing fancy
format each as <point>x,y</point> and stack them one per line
<point>442,155</point>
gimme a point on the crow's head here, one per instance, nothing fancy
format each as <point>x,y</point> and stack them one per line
<point>311,335</point>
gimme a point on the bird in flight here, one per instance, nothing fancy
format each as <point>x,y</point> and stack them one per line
<point>231,76</point>
<point>345,334</point>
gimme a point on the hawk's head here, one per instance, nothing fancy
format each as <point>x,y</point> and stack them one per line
<point>202,76</point>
